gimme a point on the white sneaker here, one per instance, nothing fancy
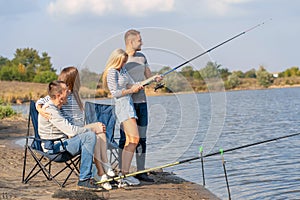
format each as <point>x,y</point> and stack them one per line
<point>108,169</point>
<point>105,185</point>
<point>122,184</point>
<point>130,180</point>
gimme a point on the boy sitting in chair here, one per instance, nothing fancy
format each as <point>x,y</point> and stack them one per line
<point>79,140</point>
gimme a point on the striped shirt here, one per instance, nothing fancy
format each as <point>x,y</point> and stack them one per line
<point>117,81</point>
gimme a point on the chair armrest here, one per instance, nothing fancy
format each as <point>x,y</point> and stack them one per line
<point>43,140</point>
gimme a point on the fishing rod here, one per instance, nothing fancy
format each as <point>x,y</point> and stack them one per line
<point>194,158</point>
<point>152,79</point>
<point>225,173</point>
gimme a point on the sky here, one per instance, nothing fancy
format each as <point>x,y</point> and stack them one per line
<point>83,33</point>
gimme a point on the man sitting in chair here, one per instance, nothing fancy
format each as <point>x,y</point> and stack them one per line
<point>79,140</point>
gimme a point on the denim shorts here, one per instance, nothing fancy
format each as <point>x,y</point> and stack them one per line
<point>124,108</point>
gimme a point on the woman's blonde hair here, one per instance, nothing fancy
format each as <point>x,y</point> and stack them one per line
<point>70,76</point>
<point>116,60</point>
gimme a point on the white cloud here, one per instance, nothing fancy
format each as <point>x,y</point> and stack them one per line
<point>75,7</point>
<point>141,7</point>
<point>224,7</point>
<point>102,7</point>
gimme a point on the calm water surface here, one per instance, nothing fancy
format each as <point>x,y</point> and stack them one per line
<point>180,124</point>
<point>231,119</point>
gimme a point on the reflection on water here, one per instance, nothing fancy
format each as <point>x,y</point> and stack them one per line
<point>180,124</point>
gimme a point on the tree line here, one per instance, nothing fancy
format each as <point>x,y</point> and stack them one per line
<point>29,66</point>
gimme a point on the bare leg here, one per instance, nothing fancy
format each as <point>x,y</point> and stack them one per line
<point>132,138</point>
<point>103,148</point>
<point>97,155</point>
<point>100,152</point>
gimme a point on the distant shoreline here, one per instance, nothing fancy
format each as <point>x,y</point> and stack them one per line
<point>14,92</point>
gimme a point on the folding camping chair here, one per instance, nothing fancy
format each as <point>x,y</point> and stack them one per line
<point>44,160</point>
<point>105,114</point>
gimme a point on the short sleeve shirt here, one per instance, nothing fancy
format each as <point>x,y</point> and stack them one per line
<point>135,67</point>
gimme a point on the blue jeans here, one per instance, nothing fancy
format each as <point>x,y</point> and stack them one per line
<point>142,122</point>
<point>102,113</point>
<point>83,144</point>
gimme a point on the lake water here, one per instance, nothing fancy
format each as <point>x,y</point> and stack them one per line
<point>180,124</point>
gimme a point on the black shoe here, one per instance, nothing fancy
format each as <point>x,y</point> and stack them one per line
<point>144,177</point>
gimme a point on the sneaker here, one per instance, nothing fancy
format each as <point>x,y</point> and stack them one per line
<point>105,185</point>
<point>108,169</point>
<point>97,178</point>
<point>88,184</point>
<point>144,177</point>
<point>130,180</point>
<point>122,184</point>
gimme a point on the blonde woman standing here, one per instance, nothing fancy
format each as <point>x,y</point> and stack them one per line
<point>121,86</point>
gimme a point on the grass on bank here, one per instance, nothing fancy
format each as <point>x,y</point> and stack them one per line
<point>6,111</point>
<point>15,92</point>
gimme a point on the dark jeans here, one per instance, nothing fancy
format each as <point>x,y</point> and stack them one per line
<point>142,122</point>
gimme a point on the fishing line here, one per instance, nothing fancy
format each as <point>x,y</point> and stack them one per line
<point>195,158</point>
<point>152,79</point>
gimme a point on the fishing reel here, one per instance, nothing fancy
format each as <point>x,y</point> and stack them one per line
<point>159,86</point>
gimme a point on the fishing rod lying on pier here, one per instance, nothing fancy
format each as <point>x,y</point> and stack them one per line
<point>152,79</point>
<point>195,158</point>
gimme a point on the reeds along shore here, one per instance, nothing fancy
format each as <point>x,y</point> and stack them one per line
<point>14,92</point>
<point>19,92</point>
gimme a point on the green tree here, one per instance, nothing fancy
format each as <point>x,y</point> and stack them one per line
<point>239,74</point>
<point>197,76</point>
<point>90,79</point>
<point>210,70</point>
<point>187,71</point>
<point>264,78</point>
<point>44,63</point>
<point>33,63</point>
<point>3,61</point>
<point>232,81</point>
<point>250,74</point>
<point>175,82</point>
<point>11,73</point>
<point>45,77</point>
<point>224,72</point>
<point>293,71</point>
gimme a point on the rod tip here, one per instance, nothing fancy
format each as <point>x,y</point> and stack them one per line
<point>200,149</point>
<point>221,151</point>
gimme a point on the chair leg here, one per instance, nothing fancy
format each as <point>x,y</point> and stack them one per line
<point>24,164</point>
<point>26,148</point>
<point>38,160</point>
<point>72,165</point>
<point>43,169</point>
<point>114,158</point>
